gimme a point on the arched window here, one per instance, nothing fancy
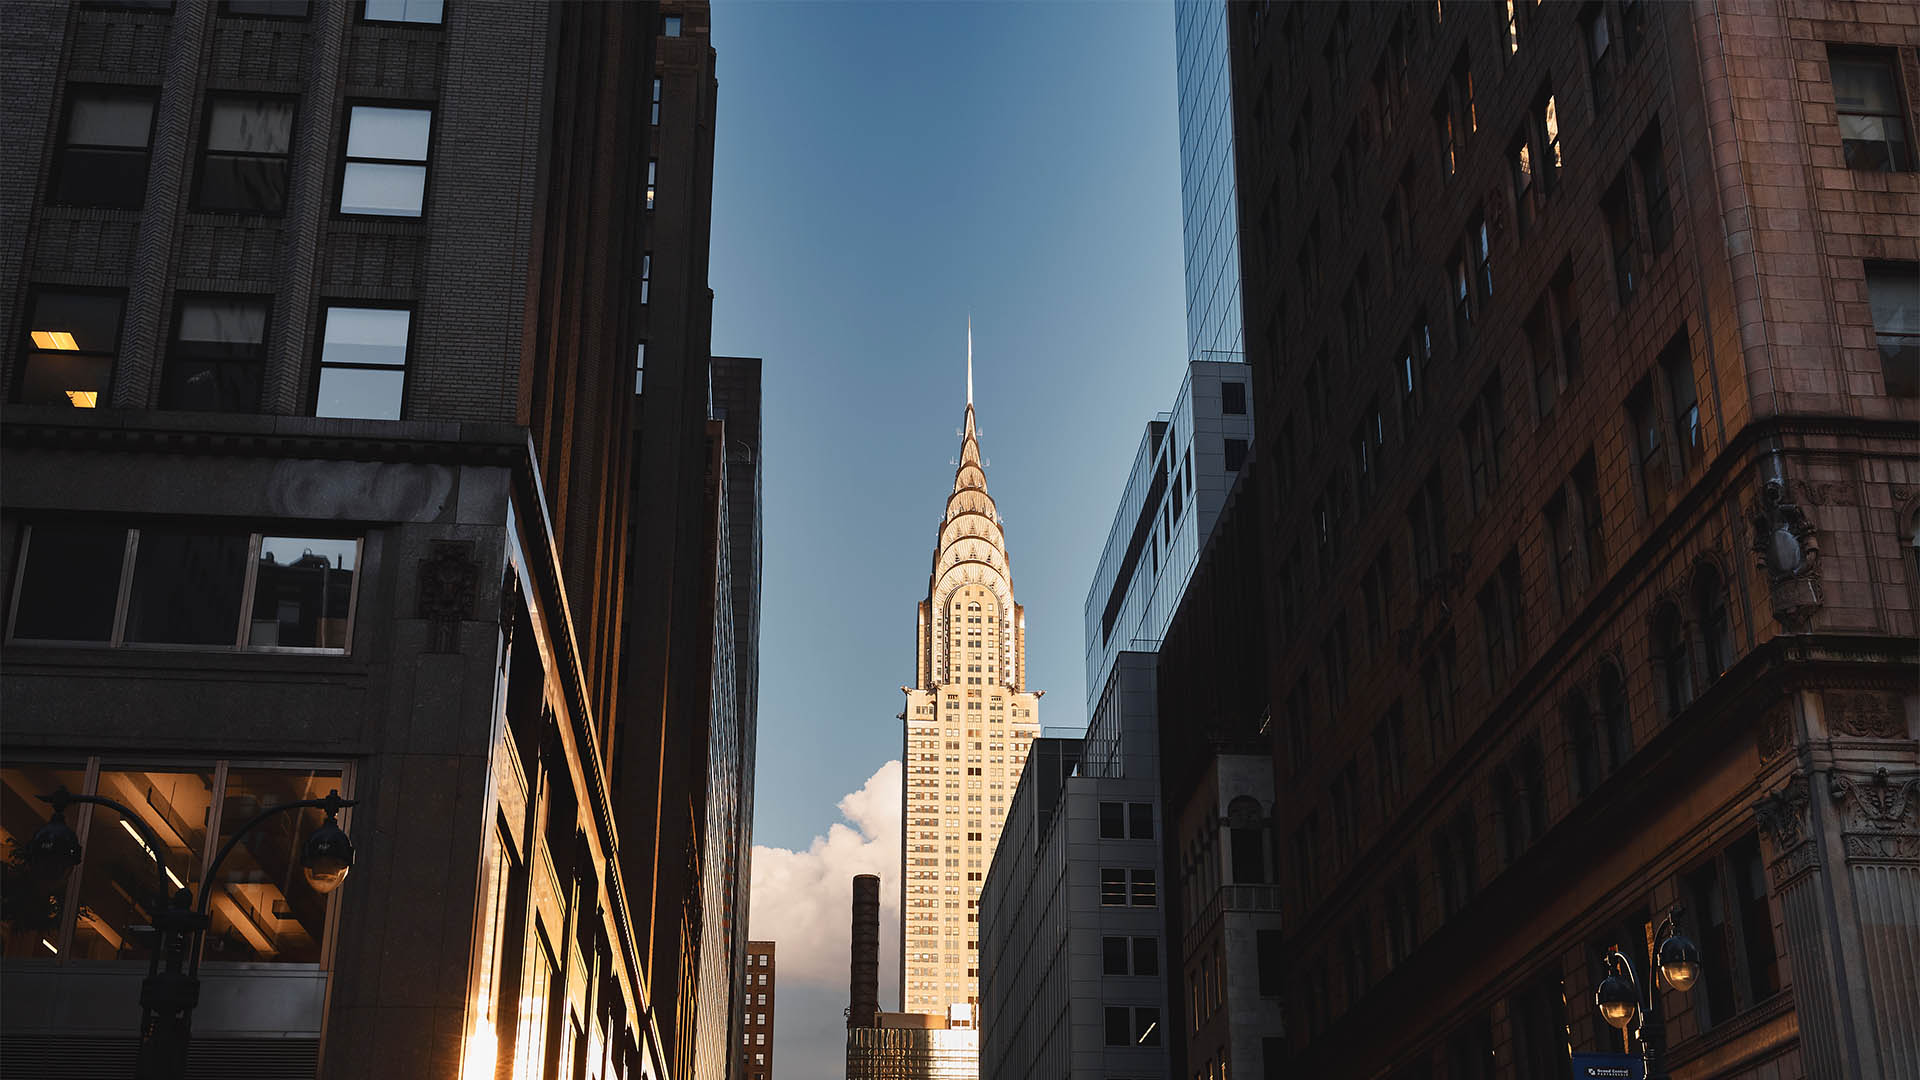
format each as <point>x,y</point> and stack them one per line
<point>1616,726</point>
<point>1585,743</point>
<point>1716,626</point>
<point>1671,657</point>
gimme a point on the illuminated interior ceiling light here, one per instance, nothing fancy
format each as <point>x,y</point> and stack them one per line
<point>50,946</point>
<point>84,399</point>
<point>59,340</point>
<point>138,839</point>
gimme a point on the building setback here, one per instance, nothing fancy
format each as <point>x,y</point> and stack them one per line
<point>757,1011</point>
<point>321,324</point>
<point>1583,342</point>
<point>969,719</point>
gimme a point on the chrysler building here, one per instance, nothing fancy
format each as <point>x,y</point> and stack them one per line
<point>969,720</point>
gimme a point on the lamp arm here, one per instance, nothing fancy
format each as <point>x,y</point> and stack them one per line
<point>332,804</point>
<point>61,799</point>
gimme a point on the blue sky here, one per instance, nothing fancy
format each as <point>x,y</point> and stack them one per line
<point>881,171</point>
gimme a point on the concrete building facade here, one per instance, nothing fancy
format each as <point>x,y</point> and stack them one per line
<point>968,722</point>
<point>1072,936</point>
<point>1581,340</point>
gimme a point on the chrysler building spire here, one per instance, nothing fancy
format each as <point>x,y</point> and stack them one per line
<point>969,702</point>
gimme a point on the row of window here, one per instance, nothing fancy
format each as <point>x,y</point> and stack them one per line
<point>418,12</point>
<point>246,140</point>
<point>203,587</point>
<point>216,355</point>
<point>1126,821</point>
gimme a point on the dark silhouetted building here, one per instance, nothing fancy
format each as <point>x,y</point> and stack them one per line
<point>325,469</point>
<point>756,1012</point>
<point>1583,340</point>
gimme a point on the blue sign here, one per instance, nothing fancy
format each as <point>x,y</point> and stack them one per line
<point>1609,1067</point>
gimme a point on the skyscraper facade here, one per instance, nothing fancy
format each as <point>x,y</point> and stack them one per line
<point>969,721</point>
<point>1209,211</point>
<point>1584,343</point>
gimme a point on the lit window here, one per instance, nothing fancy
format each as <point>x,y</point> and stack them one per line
<point>244,167</point>
<point>412,11</point>
<point>219,348</point>
<point>363,363</point>
<point>653,176</point>
<point>103,156</point>
<point>1866,96</point>
<point>73,339</point>
<point>386,167</point>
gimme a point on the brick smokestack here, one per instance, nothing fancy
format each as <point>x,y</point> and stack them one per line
<point>863,1010</point>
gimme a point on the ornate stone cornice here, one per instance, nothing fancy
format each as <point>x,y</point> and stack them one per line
<point>1786,826</point>
<point>1880,815</point>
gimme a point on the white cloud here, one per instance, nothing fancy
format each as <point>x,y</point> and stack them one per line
<point>803,900</point>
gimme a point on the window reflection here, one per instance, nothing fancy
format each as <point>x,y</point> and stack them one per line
<point>262,908</point>
<point>120,871</point>
<point>303,593</point>
<point>30,912</point>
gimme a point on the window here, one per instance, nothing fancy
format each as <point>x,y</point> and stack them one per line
<point>1586,493</point>
<point>1145,892</point>
<point>1599,38</point>
<point>1233,456</point>
<point>189,586</point>
<point>1651,163</point>
<point>190,810</point>
<point>1403,915</point>
<point>386,166</point>
<point>1113,887</point>
<point>1233,398</point>
<point>1140,821</point>
<point>1866,97</point>
<point>1546,362</point>
<point>272,9</point>
<point>1481,247</point>
<point>1716,626</point>
<point>670,26</point>
<point>1541,1032</point>
<point>1345,825</point>
<point>1113,821</point>
<point>1462,302</point>
<point>1739,961</point>
<point>1390,759</point>
<point>1549,162</point>
<point>104,152</point>
<point>1427,525</point>
<point>1468,120</point>
<point>1483,434</point>
<point>215,361</point>
<point>412,11</point>
<point>1116,953</point>
<point>654,115</point>
<point>1137,1026</point>
<point>363,362</point>
<point>1525,195</point>
<point>1454,861</point>
<point>653,179</point>
<point>1520,798</point>
<point>1622,240</point>
<point>73,339</point>
<point>243,168</point>
<point>1650,451</point>
<point>1893,293</point>
<point>1513,27</point>
<point>1684,397</point>
<point>1448,138</point>
<point>1500,616</point>
<point>1673,658</point>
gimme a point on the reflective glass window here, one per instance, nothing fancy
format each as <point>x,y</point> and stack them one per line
<point>303,592</point>
<point>244,168</point>
<point>363,363</point>
<point>386,170</point>
<point>73,339</point>
<point>413,11</point>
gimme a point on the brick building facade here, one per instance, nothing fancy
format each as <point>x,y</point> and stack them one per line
<point>1583,340</point>
<point>757,1003</point>
<point>321,323</point>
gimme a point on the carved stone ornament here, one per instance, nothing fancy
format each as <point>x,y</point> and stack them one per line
<point>1775,734</point>
<point>1864,714</point>
<point>447,583</point>
<point>1785,825</point>
<point>1787,547</point>
<point>1881,815</point>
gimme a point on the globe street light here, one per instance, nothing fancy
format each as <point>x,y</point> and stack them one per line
<point>1677,959</point>
<point>168,996</point>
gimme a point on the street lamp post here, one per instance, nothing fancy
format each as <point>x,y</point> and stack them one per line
<point>1677,960</point>
<point>172,986</point>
